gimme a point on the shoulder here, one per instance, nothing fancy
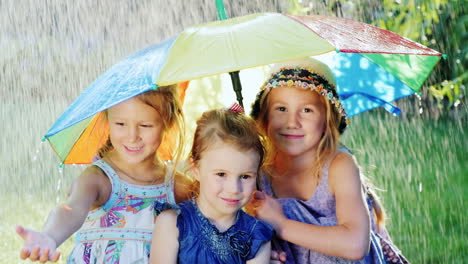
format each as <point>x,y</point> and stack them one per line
<point>343,160</point>
<point>94,180</point>
<point>167,217</point>
<point>93,175</point>
<point>258,227</point>
<point>260,234</point>
<point>343,170</point>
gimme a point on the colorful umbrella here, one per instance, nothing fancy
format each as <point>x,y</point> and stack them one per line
<point>373,67</point>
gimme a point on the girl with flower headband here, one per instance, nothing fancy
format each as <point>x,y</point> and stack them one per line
<point>312,191</point>
<point>211,227</point>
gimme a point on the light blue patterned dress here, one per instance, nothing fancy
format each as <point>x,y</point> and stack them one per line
<point>320,209</point>
<point>121,230</point>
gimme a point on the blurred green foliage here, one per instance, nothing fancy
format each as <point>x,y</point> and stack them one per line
<point>440,25</point>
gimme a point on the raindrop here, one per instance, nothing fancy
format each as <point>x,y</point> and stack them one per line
<point>457,61</point>
<point>59,184</point>
<point>60,169</point>
<point>38,149</point>
<point>456,103</point>
<point>420,187</point>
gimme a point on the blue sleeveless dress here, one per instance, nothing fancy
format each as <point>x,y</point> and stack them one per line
<point>121,230</point>
<point>320,210</point>
<point>201,242</point>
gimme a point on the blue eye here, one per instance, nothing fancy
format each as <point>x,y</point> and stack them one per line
<point>246,176</point>
<point>307,110</point>
<point>281,108</point>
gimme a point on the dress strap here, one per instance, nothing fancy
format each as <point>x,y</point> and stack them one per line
<point>170,185</point>
<point>115,181</point>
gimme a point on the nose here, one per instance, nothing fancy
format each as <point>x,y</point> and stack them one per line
<point>233,185</point>
<point>133,133</point>
<point>293,120</point>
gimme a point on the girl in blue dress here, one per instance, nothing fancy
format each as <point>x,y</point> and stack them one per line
<point>212,228</point>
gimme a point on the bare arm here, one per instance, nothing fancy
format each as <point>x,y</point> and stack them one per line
<point>165,244</point>
<point>92,187</point>
<point>350,238</point>
<point>263,254</point>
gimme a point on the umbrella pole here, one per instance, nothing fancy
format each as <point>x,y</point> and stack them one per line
<point>236,84</point>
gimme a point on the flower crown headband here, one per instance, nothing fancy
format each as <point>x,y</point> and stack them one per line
<point>308,80</point>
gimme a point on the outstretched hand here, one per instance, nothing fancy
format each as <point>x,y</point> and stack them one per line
<point>37,246</point>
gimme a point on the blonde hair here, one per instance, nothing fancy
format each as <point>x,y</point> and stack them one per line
<point>232,128</point>
<point>166,101</point>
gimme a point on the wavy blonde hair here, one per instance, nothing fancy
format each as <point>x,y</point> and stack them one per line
<point>166,101</point>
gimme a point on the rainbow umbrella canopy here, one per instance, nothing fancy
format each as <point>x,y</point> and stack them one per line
<point>373,67</point>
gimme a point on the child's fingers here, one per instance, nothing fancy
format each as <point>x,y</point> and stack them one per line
<point>259,195</point>
<point>34,254</point>
<point>55,257</point>
<point>282,256</point>
<point>21,232</point>
<point>24,253</point>
<point>274,255</point>
<point>44,257</point>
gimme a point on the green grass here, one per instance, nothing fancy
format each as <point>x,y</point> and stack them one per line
<point>419,164</point>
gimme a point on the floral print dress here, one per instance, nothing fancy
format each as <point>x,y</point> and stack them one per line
<point>120,231</point>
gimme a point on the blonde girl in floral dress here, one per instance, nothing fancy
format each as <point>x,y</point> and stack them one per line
<point>111,204</point>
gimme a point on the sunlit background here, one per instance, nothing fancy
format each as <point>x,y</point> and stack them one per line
<point>50,51</point>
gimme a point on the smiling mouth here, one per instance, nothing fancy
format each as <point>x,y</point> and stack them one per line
<point>231,201</point>
<point>288,136</point>
<point>133,149</point>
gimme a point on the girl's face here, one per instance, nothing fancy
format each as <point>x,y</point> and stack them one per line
<point>296,120</point>
<point>227,179</point>
<point>136,130</point>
